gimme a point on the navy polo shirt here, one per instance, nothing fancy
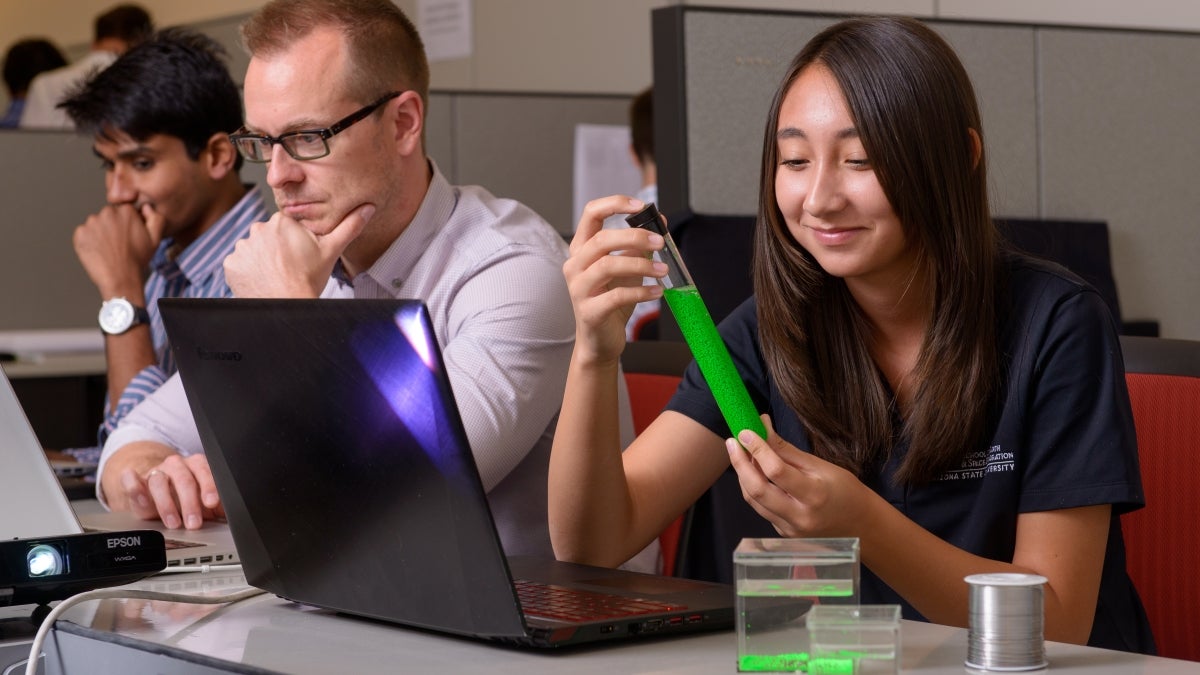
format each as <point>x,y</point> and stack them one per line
<point>1063,436</point>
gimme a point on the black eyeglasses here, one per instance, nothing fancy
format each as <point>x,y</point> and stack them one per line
<point>301,145</point>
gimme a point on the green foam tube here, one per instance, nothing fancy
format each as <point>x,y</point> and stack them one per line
<point>700,332</point>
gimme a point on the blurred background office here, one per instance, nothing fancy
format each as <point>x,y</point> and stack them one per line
<point>24,60</point>
<point>114,31</point>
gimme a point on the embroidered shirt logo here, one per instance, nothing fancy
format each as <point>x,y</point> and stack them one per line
<point>976,464</point>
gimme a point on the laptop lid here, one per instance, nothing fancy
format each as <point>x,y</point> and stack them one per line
<point>35,505</point>
<point>34,502</point>
<point>335,442</point>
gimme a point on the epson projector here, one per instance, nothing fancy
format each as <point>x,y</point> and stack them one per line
<point>38,571</point>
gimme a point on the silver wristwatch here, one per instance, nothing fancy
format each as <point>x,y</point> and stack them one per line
<point>118,315</point>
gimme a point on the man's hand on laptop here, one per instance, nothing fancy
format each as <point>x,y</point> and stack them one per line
<point>154,482</point>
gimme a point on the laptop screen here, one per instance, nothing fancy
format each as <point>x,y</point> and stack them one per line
<point>34,504</point>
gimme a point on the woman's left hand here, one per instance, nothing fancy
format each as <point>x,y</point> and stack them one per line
<point>800,494</point>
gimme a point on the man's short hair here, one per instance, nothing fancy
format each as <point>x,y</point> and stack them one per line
<point>129,23</point>
<point>174,83</point>
<point>28,58</point>
<point>386,52</point>
<point>641,125</point>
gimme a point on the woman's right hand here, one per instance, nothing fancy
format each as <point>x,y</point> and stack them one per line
<point>605,287</point>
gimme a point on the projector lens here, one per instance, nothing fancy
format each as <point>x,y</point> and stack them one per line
<point>44,560</point>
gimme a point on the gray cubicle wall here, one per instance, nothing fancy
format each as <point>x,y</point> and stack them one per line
<point>1120,141</point>
<point>49,182</point>
<point>1080,123</point>
<point>520,145</point>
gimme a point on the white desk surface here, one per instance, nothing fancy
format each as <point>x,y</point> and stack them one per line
<point>53,353</point>
<point>57,365</point>
<point>267,633</point>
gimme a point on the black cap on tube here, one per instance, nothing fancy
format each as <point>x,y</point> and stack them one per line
<point>647,219</point>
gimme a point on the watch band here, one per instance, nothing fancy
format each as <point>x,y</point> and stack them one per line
<point>140,316</point>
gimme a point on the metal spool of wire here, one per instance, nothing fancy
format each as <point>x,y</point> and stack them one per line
<point>1006,622</point>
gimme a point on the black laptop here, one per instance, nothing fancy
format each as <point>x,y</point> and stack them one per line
<point>348,482</point>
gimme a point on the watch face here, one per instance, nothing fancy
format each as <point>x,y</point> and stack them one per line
<point>116,316</point>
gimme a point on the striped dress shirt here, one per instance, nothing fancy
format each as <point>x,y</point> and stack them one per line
<point>195,272</point>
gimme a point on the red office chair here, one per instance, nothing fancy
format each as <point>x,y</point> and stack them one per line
<point>652,373</point>
<point>1162,550</point>
<point>646,327</point>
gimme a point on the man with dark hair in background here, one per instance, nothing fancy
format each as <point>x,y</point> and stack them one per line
<point>641,132</point>
<point>25,60</point>
<point>641,323</point>
<point>160,116</point>
<point>114,33</point>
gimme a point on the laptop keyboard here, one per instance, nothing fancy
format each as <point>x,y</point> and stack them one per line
<point>169,543</point>
<point>174,544</point>
<point>548,601</point>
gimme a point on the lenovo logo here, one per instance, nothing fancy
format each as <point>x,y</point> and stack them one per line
<point>208,355</point>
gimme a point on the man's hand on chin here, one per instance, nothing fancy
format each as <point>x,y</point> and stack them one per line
<point>283,259</point>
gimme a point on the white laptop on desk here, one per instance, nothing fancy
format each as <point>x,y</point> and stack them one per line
<point>33,504</point>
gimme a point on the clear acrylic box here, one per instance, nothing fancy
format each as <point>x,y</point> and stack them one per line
<point>778,581</point>
<point>858,639</point>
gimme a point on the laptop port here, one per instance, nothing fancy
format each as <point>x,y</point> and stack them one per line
<point>205,559</point>
<point>695,618</point>
<point>675,620</point>
<point>607,629</point>
<point>652,625</point>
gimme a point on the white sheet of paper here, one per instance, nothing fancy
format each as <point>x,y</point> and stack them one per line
<point>445,27</point>
<point>603,165</point>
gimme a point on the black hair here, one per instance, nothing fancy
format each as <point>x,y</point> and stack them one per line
<point>26,59</point>
<point>129,23</point>
<point>641,124</point>
<point>174,83</point>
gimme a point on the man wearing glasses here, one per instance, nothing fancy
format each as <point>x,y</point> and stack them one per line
<point>335,97</point>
